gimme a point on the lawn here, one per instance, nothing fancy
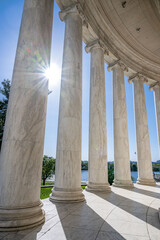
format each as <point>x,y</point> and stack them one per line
<point>48,183</point>
<point>45,192</point>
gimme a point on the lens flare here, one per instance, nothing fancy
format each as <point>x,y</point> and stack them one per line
<point>53,74</point>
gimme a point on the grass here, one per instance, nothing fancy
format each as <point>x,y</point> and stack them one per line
<point>48,183</point>
<point>45,192</point>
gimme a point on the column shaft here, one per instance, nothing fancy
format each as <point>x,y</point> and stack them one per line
<point>68,159</point>
<point>157,108</point>
<point>122,174</point>
<point>23,140</point>
<point>98,167</point>
<point>145,174</point>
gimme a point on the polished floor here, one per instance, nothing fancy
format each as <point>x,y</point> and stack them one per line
<point>121,214</point>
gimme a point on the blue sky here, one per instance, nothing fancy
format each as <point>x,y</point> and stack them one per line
<point>10,18</point>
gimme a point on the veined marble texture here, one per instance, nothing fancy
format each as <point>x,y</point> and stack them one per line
<point>145,174</point>
<point>68,157</point>
<point>121,144</point>
<point>23,140</point>
<point>98,169</point>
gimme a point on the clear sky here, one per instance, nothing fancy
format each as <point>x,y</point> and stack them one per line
<point>10,18</point>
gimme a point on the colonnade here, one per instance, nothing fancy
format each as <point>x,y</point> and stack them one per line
<point>22,147</point>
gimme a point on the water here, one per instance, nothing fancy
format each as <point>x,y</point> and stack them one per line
<point>134,176</point>
<point>84,176</point>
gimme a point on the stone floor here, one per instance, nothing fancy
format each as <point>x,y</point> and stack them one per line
<point>121,214</point>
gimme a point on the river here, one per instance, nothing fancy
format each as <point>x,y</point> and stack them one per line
<point>84,176</point>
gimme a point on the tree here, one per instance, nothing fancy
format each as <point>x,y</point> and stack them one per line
<point>48,167</point>
<point>134,167</point>
<point>110,176</point>
<point>84,165</point>
<point>4,90</point>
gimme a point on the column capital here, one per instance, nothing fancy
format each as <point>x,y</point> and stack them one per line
<point>76,8</point>
<point>138,77</point>
<point>98,43</point>
<point>154,85</point>
<point>117,63</point>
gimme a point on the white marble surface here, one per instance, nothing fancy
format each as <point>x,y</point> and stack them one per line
<point>98,179</point>
<point>22,147</point>
<point>122,174</point>
<point>145,174</point>
<point>68,157</point>
<point>119,215</point>
<point>157,109</point>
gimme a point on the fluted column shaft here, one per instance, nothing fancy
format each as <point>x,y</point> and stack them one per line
<point>68,158</point>
<point>23,140</point>
<point>157,108</point>
<point>122,174</point>
<point>145,174</point>
<point>98,167</point>
<point>156,89</point>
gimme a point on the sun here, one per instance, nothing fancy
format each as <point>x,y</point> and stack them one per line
<point>53,74</point>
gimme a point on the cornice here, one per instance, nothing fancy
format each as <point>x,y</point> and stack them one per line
<point>118,46</point>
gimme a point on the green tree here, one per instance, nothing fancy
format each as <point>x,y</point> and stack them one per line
<point>111,166</point>
<point>4,90</point>
<point>133,167</point>
<point>156,167</point>
<point>84,165</point>
<point>110,176</point>
<point>48,167</point>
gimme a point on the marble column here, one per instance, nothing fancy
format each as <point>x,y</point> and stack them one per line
<point>98,167</point>
<point>122,173</point>
<point>68,159</point>
<point>156,89</point>
<point>145,174</point>
<point>23,140</point>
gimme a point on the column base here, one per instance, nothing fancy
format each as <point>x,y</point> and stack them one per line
<point>93,187</point>
<point>123,183</point>
<point>16,219</point>
<point>149,182</point>
<point>66,196</point>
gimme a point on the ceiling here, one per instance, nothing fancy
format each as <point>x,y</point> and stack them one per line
<point>130,30</point>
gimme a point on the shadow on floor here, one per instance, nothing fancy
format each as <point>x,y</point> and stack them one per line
<point>133,207</point>
<point>89,220</point>
<point>80,222</point>
<point>147,192</point>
